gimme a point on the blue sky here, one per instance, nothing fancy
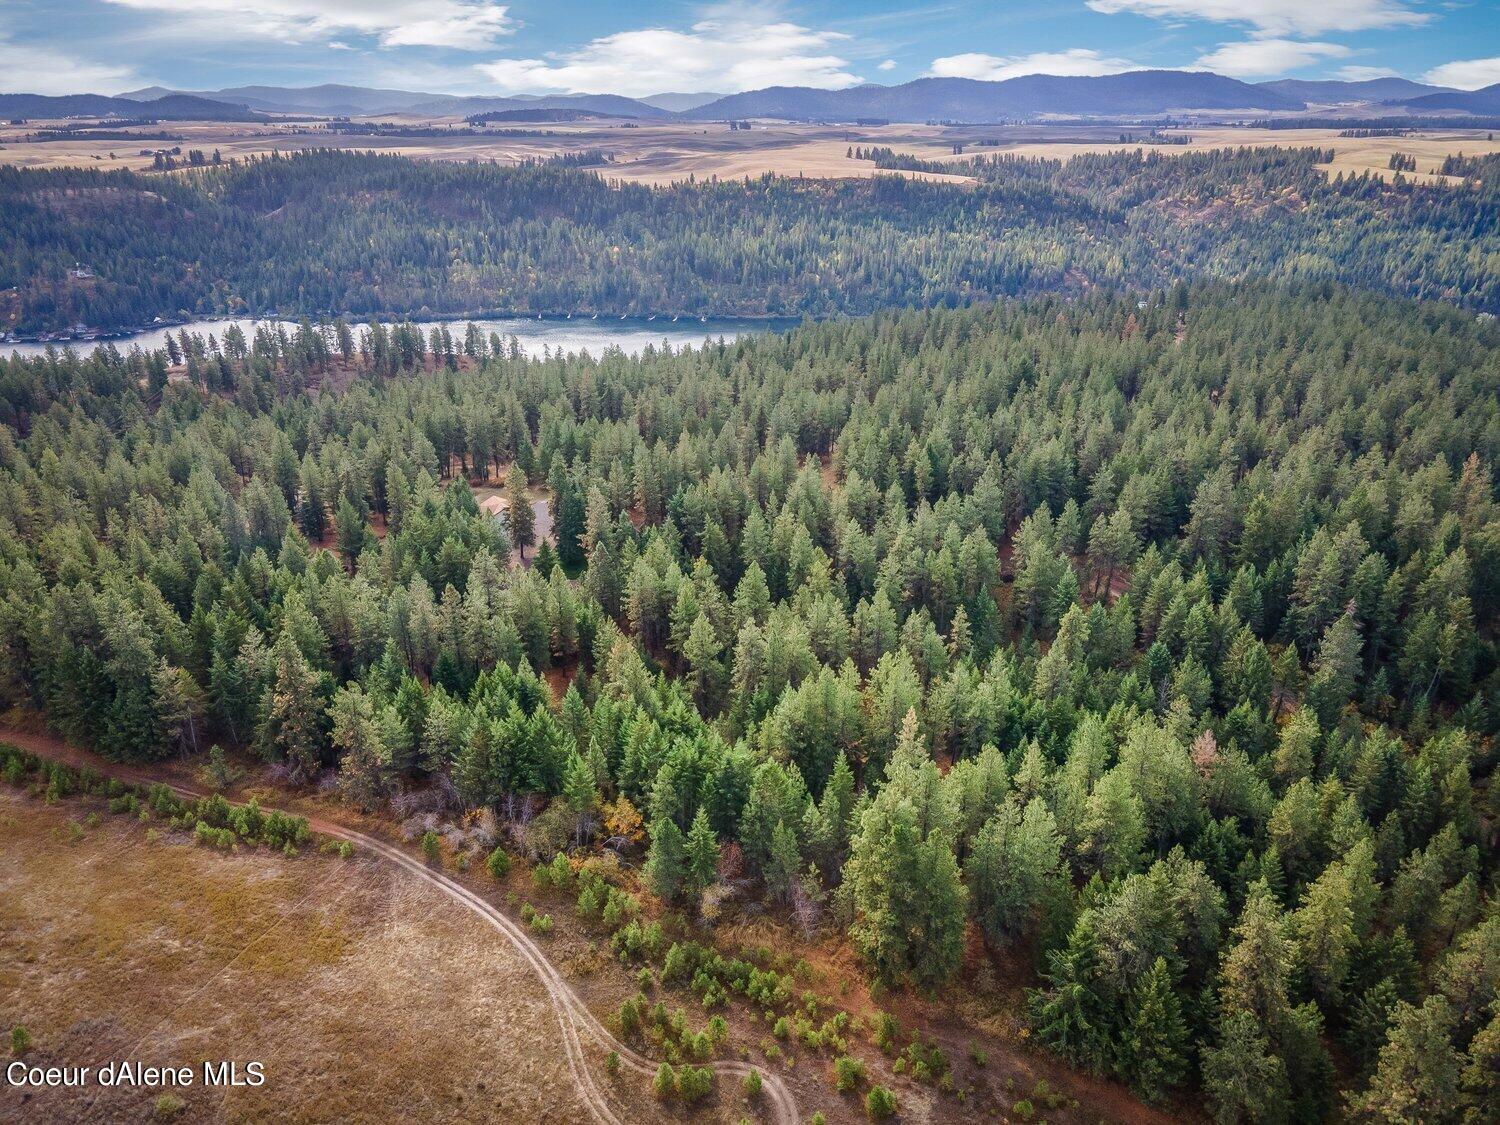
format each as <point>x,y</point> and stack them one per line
<point>635,48</point>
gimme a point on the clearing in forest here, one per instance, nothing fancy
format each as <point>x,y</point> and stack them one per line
<point>363,991</point>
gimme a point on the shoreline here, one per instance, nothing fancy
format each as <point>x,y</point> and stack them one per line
<point>90,335</point>
<point>688,330</point>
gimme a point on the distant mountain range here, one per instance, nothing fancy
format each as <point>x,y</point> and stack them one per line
<point>609,105</point>
<point>357,101</point>
<point>680,103</point>
<point>1138,93</point>
<point>969,100</point>
<point>168,107</point>
<point>1485,101</point>
<point>322,100</point>
<point>1350,93</point>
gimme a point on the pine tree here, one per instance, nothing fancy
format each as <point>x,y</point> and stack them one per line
<point>1016,866</point>
<point>1242,1079</point>
<point>352,533</point>
<point>784,865</point>
<point>366,773</point>
<point>569,523</point>
<point>1324,925</point>
<point>702,853</point>
<point>520,519</point>
<point>910,903</point>
<point>1419,1072</point>
<point>1114,825</point>
<point>293,729</point>
<point>312,506</point>
<point>666,863</point>
<point>1153,1049</point>
<point>1069,1013</point>
<point>581,792</point>
<point>706,675</point>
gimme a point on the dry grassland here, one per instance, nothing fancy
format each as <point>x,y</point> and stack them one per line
<point>366,994</point>
<point>1352,155</point>
<point>649,153</point>
<point>656,153</point>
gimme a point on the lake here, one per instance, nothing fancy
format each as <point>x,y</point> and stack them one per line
<point>631,335</point>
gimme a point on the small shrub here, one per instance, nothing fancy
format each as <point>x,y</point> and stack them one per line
<point>1044,1093</point>
<point>498,863</point>
<point>718,1031</point>
<point>20,1040</point>
<point>635,942</point>
<point>167,1106</point>
<point>205,833</point>
<point>619,907</point>
<point>926,1062</point>
<point>694,1083</point>
<point>880,1103</point>
<point>127,804</point>
<point>752,1084</point>
<point>664,1085</point>
<point>848,1073</point>
<point>542,923</point>
<point>632,1015</point>
<point>612,1064</point>
<point>432,847</point>
<point>218,773</point>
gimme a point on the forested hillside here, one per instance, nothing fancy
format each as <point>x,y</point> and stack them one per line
<point>1148,642</point>
<point>332,232</point>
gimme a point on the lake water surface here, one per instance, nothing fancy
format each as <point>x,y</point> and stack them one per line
<point>631,335</point>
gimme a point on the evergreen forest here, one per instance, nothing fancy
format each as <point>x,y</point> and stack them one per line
<point>1141,633</point>
<point>328,233</point>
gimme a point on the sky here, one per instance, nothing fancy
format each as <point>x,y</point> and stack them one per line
<point>638,48</point>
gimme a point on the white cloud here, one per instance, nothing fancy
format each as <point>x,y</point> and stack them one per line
<point>1267,58</point>
<point>470,25</point>
<point>42,70</point>
<point>889,64</point>
<point>1276,17</point>
<point>1077,62</point>
<point>733,53</point>
<point>1366,73</point>
<point>1465,74</point>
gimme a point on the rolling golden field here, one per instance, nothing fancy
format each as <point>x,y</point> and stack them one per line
<point>662,153</point>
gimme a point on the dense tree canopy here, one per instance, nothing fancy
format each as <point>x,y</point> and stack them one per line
<point>336,232</point>
<point>1152,636</point>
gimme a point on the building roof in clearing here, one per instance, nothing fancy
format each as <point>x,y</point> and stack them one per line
<point>494,505</point>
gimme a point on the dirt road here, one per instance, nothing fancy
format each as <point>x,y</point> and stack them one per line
<point>576,1023</point>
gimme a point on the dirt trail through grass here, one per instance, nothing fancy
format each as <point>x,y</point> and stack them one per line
<point>576,1023</point>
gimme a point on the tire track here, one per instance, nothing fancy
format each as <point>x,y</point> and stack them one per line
<point>576,1022</point>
